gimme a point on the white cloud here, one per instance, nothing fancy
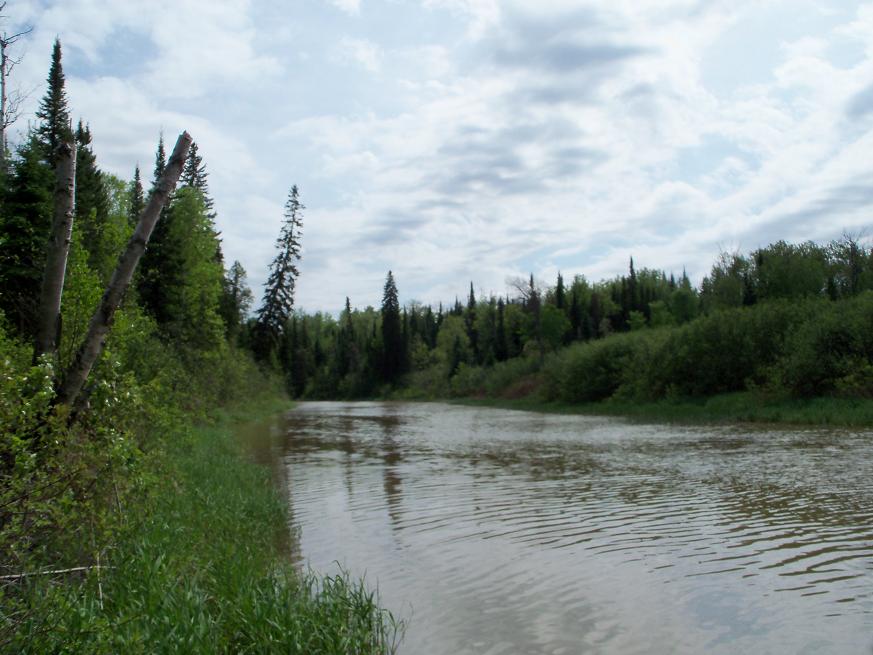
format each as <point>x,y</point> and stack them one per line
<point>360,51</point>
<point>349,6</point>
<point>489,138</point>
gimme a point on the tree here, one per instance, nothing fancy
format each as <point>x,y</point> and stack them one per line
<point>194,175</point>
<point>137,199</point>
<point>193,284</point>
<point>470,322</point>
<point>236,300</point>
<point>57,251</point>
<point>150,282</point>
<point>53,113</point>
<point>10,100</point>
<point>278,301</point>
<point>393,354</point>
<point>70,391</point>
<point>24,231</point>
<point>559,292</point>
<point>92,206</point>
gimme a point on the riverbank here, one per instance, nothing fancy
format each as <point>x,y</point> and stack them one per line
<point>741,407</point>
<point>196,568</point>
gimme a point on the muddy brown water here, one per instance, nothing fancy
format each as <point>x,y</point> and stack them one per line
<point>495,531</point>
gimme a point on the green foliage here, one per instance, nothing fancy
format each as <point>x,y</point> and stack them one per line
<point>82,293</point>
<point>54,126</point>
<point>393,348</point>
<point>192,277</point>
<point>100,231</point>
<point>195,570</point>
<point>278,301</point>
<point>25,224</point>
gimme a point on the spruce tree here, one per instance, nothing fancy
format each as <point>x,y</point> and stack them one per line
<point>153,267</point>
<point>278,301</point>
<point>53,113</point>
<point>195,176</point>
<point>501,347</point>
<point>92,206</point>
<point>235,301</point>
<point>24,232</point>
<point>470,323</point>
<point>136,198</point>
<point>559,292</point>
<point>392,333</point>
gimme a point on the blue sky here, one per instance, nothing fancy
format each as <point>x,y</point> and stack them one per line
<point>459,140</point>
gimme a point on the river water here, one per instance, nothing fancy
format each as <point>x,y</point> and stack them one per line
<point>495,531</point>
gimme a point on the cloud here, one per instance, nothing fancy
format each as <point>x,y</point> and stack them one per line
<point>362,52</point>
<point>349,6</point>
<point>488,138</point>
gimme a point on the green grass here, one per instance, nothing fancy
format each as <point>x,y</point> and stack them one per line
<point>198,570</point>
<point>745,407</point>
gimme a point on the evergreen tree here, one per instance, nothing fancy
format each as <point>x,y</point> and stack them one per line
<point>345,348</point>
<point>24,232</point>
<point>194,175</point>
<point>92,206</point>
<point>559,292</point>
<point>153,268</point>
<point>392,336</point>
<point>137,198</point>
<point>278,300</point>
<point>236,300</point>
<point>53,113</point>
<point>501,347</point>
<point>470,323</point>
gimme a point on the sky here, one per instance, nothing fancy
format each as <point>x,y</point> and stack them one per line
<point>459,141</point>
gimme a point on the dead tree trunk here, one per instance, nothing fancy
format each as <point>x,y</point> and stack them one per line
<point>10,103</point>
<point>70,392</point>
<point>59,247</point>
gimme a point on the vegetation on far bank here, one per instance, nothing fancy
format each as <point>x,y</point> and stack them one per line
<point>783,334</point>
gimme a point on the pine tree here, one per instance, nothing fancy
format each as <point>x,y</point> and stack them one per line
<point>278,299</point>
<point>53,112</point>
<point>392,334</point>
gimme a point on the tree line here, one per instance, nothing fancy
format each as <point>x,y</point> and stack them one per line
<point>370,351</point>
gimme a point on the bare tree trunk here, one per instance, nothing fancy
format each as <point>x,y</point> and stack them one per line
<point>59,247</point>
<point>70,392</point>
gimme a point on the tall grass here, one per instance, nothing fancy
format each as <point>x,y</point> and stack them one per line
<point>196,569</point>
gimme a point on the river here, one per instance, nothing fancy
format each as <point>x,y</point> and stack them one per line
<point>495,531</point>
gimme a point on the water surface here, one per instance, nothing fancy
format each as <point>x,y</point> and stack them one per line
<point>495,531</point>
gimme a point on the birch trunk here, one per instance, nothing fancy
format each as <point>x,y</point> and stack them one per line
<point>58,249</point>
<point>70,392</point>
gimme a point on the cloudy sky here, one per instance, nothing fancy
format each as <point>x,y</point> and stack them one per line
<point>459,140</point>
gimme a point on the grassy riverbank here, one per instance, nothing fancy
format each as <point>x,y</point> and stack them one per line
<point>742,407</point>
<point>196,568</point>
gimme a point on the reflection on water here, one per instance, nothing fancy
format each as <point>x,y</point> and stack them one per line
<point>510,532</point>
